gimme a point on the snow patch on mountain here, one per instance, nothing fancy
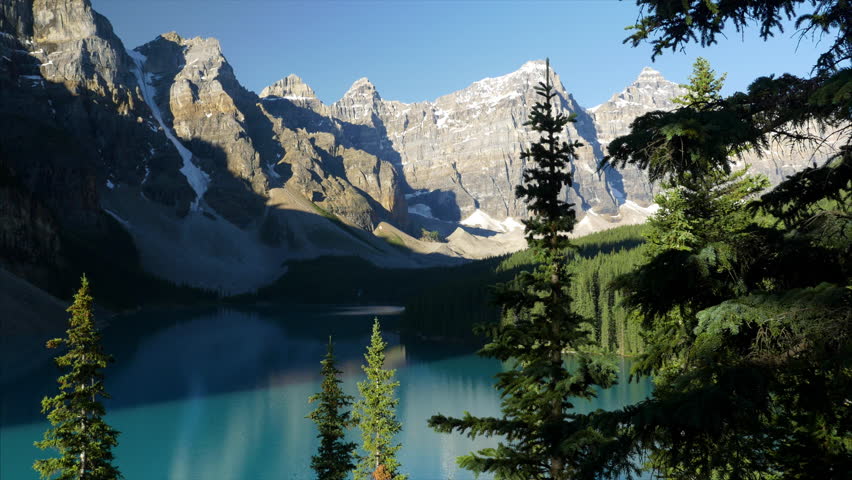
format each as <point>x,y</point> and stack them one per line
<point>120,220</point>
<point>481,219</point>
<point>197,178</point>
<point>647,211</point>
<point>420,209</point>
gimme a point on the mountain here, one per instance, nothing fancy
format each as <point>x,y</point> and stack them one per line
<point>460,154</point>
<point>612,119</point>
<point>72,122</point>
<point>158,160</point>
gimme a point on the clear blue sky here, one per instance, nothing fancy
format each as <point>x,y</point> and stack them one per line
<point>420,50</point>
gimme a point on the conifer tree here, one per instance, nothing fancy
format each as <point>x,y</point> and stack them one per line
<point>79,433</point>
<point>544,439</point>
<point>748,321</point>
<point>701,208</point>
<point>375,414</point>
<point>704,87</point>
<point>333,460</point>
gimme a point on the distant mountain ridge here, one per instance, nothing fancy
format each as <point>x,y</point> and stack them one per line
<point>460,154</point>
<point>219,187</point>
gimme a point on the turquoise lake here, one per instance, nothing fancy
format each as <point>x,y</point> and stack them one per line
<point>221,394</point>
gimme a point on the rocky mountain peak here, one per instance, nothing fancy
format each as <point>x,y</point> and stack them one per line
<point>71,43</point>
<point>534,66</point>
<point>650,78</point>
<point>172,36</point>
<point>649,73</point>
<point>210,45</point>
<point>198,49</point>
<point>650,91</point>
<point>204,54</point>
<point>170,53</point>
<point>532,70</point>
<point>289,87</point>
<point>363,88</point>
<point>359,103</point>
<point>196,60</point>
<point>516,87</point>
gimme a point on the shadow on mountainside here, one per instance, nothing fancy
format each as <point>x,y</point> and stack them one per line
<point>59,151</point>
<point>371,139</point>
<point>58,148</point>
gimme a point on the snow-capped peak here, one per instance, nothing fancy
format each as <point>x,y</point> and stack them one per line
<point>649,74</point>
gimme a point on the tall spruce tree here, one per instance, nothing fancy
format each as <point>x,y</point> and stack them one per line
<point>543,437</point>
<point>749,322</point>
<point>704,87</point>
<point>333,460</point>
<point>375,414</point>
<point>702,207</point>
<point>79,433</point>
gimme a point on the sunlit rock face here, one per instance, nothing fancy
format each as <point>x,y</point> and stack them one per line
<point>465,147</point>
<point>249,144</point>
<point>462,152</point>
<point>202,102</point>
<point>612,119</point>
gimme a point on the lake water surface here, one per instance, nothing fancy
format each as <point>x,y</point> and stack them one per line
<point>221,394</point>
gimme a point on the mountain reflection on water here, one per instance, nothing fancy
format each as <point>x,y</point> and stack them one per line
<point>221,394</point>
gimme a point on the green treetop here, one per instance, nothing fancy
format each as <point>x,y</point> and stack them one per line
<point>82,438</point>
<point>375,414</point>
<point>333,460</point>
<point>700,208</point>
<point>703,88</point>
<point>542,437</point>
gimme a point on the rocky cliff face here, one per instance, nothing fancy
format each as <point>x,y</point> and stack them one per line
<point>72,123</point>
<point>164,143</point>
<point>652,92</point>
<point>461,152</point>
<point>244,147</point>
<point>612,119</point>
<point>326,138</point>
<point>205,109</point>
<point>170,121</point>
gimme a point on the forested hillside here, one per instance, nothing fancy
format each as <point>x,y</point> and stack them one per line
<point>451,308</point>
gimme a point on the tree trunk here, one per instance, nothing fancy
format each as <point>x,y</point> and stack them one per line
<point>556,464</point>
<point>378,453</point>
